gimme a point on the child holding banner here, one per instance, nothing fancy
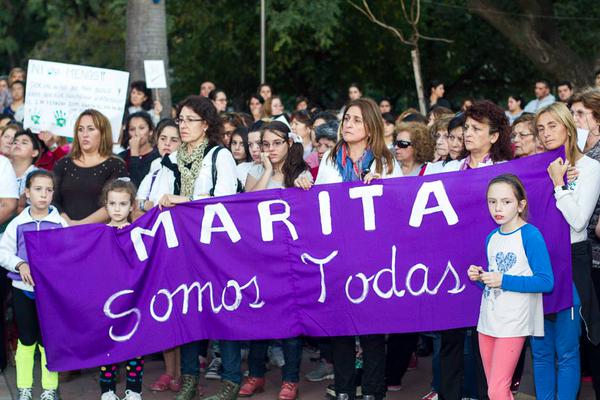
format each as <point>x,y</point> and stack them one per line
<point>519,272</point>
<point>118,197</point>
<point>39,187</point>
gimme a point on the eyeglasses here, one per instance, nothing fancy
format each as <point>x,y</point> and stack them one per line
<point>438,135</point>
<point>403,144</point>
<point>521,135</point>
<point>180,120</point>
<point>580,113</point>
<point>275,145</point>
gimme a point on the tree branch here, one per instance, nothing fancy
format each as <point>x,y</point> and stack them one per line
<point>369,14</point>
<point>531,36</point>
<point>416,35</point>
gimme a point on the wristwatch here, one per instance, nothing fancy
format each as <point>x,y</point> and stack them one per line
<point>561,188</point>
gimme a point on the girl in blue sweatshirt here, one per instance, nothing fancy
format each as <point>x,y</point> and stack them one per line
<point>519,271</point>
<point>40,215</point>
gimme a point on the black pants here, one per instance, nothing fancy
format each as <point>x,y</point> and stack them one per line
<point>400,347</point>
<point>590,352</point>
<point>344,358</point>
<point>452,365</point>
<point>27,319</point>
<point>4,290</point>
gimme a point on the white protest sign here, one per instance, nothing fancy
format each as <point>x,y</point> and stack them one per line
<point>57,93</point>
<point>155,74</point>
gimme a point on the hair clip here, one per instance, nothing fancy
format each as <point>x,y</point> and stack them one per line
<point>124,179</point>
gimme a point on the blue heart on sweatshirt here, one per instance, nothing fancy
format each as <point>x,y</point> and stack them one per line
<point>505,261</point>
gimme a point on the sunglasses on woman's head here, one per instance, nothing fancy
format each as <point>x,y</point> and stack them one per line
<point>403,144</point>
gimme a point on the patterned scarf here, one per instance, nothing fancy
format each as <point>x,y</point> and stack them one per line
<point>189,166</point>
<point>353,171</point>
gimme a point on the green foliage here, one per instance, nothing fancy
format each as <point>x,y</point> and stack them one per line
<point>314,47</point>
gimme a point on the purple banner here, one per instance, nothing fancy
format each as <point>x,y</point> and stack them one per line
<point>339,259</point>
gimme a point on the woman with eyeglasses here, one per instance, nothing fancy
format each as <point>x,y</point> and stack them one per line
<point>556,357</point>
<point>219,99</point>
<point>439,133</point>
<point>360,155</point>
<point>523,136</point>
<point>282,163</point>
<point>201,131</point>
<point>414,147</point>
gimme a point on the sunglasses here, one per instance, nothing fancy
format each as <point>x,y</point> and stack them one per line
<point>403,144</point>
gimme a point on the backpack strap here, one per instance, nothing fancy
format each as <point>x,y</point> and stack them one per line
<point>214,170</point>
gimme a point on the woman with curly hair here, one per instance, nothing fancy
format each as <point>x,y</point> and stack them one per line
<point>414,147</point>
<point>486,134</point>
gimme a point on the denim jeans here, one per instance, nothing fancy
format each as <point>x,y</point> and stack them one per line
<point>231,359</point>
<point>556,367</point>
<point>190,365</point>
<point>292,354</point>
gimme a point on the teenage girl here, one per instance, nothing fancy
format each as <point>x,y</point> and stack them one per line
<point>118,197</point>
<point>519,272</point>
<point>39,215</point>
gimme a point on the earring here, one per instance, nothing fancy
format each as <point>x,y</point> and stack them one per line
<point>205,129</point>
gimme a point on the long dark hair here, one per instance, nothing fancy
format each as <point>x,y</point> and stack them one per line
<point>205,108</point>
<point>124,141</point>
<point>140,86</point>
<point>242,132</point>
<point>294,163</point>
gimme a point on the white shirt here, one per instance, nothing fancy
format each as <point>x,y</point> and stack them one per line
<point>8,180</point>
<point>242,170</point>
<point>536,104</point>
<point>158,182</point>
<point>505,312</point>
<point>226,175</point>
<point>329,173</point>
<point>578,203</point>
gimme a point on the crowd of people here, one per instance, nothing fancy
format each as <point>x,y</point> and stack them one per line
<point>206,149</point>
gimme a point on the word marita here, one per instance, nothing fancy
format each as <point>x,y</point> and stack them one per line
<point>267,218</point>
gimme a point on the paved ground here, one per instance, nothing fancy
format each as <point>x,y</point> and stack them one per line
<point>415,385</point>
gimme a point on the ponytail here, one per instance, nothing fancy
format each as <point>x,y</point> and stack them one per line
<point>294,164</point>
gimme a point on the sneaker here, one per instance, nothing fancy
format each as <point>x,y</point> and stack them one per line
<point>332,394</point>
<point>394,388</point>
<point>25,394</point>
<point>430,396</point>
<point>252,386</point>
<point>276,356</point>
<point>49,394</point>
<point>214,369</point>
<point>322,372</point>
<point>131,395</point>
<point>227,391</point>
<point>189,388</point>
<point>110,395</point>
<point>289,391</point>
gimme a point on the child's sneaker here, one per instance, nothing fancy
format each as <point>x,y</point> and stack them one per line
<point>131,395</point>
<point>49,394</point>
<point>110,395</point>
<point>24,394</point>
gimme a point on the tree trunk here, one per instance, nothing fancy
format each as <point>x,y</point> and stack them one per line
<point>416,62</point>
<point>537,38</point>
<point>147,40</point>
